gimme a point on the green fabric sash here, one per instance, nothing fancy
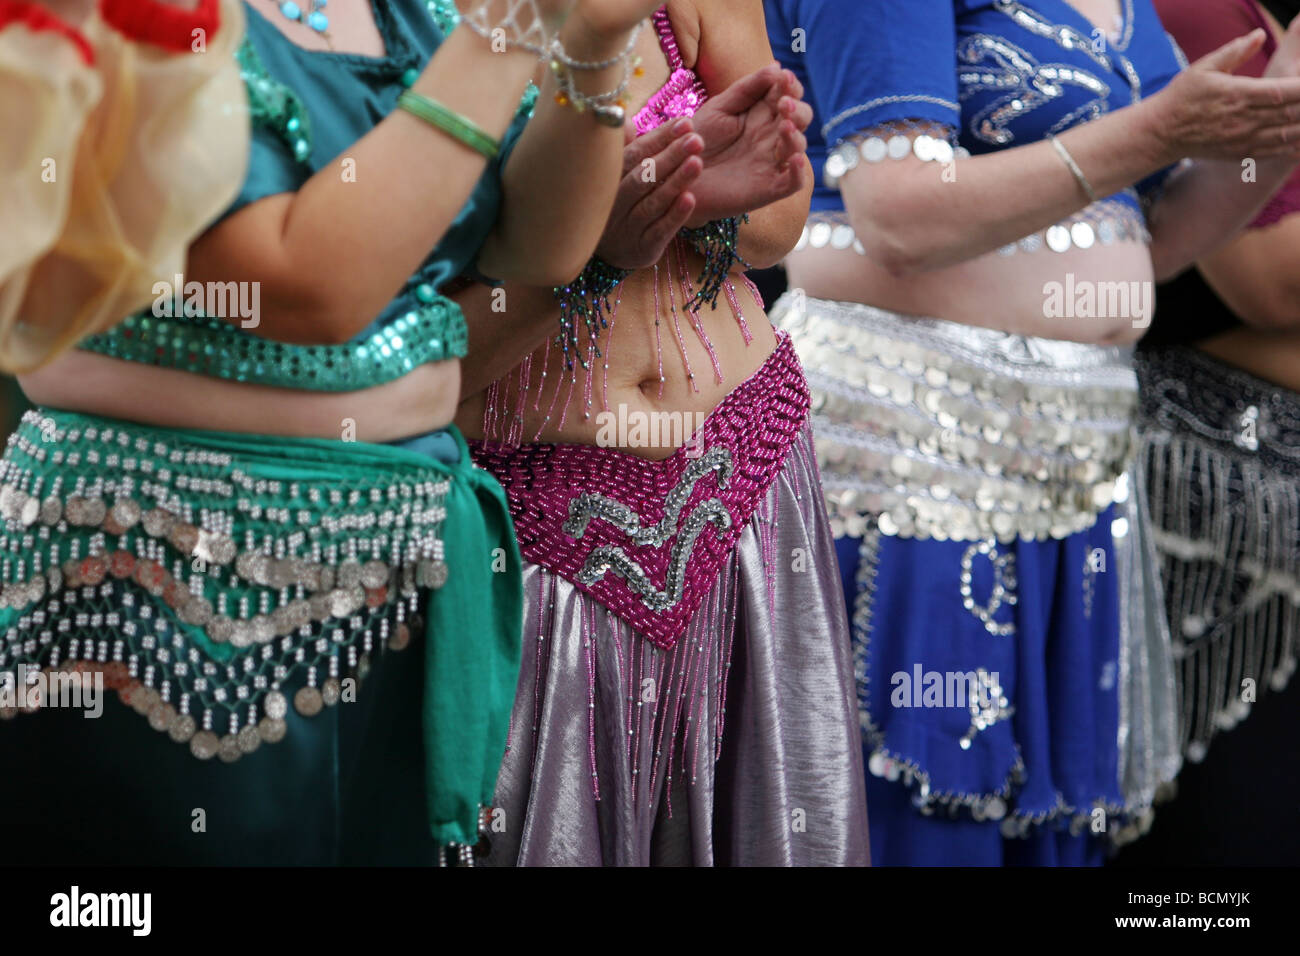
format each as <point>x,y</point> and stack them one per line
<point>473,620</point>
<point>472,653</point>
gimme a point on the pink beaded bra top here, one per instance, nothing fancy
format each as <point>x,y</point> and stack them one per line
<point>681,95</point>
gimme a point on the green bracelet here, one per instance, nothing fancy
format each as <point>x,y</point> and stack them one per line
<point>453,124</point>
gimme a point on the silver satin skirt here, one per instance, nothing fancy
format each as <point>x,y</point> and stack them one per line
<point>739,746</point>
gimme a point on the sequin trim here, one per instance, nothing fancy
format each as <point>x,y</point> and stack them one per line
<point>1104,222</point>
<point>870,105</point>
<point>583,511</point>
<point>1025,85</point>
<point>272,105</point>
<point>207,346</point>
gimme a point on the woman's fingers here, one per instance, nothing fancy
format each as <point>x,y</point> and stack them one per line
<point>1285,137</point>
<point>741,95</point>
<point>793,87</point>
<point>661,230</point>
<point>790,143</point>
<point>660,199</point>
<point>655,142</point>
<point>1272,94</point>
<point>797,111</point>
<point>1232,54</point>
<point>642,178</point>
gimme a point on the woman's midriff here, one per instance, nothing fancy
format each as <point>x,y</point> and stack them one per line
<point>419,402</point>
<point>1104,295</point>
<point>657,417</point>
<point>1272,356</point>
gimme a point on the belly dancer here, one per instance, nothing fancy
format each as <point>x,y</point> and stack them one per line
<point>999,182</point>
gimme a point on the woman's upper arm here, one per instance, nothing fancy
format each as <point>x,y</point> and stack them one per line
<point>893,69</point>
<point>732,36</point>
<point>1257,275</point>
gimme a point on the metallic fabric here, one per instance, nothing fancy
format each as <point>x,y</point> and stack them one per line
<point>1221,449</point>
<point>956,432</point>
<point>619,752</point>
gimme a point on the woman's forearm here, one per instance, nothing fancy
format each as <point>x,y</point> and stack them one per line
<point>559,184</point>
<point>1206,205</point>
<point>773,230</point>
<point>1257,275</point>
<point>505,325</point>
<point>914,217</point>
<point>330,256</point>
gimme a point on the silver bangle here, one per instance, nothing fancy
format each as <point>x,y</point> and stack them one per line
<point>1074,167</point>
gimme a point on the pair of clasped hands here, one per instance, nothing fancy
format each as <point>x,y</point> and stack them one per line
<point>742,150</point>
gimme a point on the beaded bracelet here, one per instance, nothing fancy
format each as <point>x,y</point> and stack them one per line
<point>607,107</point>
<point>508,30</point>
<point>451,123</point>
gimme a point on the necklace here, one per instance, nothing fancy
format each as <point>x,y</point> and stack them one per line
<point>313,17</point>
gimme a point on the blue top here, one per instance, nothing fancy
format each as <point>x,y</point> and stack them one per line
<point>997,73</point>
<point>307,108</point>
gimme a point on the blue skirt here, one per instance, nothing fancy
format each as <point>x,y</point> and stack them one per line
<point>1014,708</point>
<point>1019,764</point>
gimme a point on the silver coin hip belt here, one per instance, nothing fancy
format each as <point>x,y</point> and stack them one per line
<point>939,430</point>
<point>202,573</point>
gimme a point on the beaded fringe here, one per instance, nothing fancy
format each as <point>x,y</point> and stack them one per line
<point>200,588</point>
<point>1228,532</point>
<point>688,734</point>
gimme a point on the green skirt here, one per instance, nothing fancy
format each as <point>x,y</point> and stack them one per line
<point>257,601</point>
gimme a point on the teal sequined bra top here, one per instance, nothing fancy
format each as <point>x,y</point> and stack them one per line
<point>307,108</point>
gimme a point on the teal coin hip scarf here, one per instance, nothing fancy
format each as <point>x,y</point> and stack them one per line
<point>204,573</point>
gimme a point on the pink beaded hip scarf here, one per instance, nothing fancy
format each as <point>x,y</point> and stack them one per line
<point>647,538</point>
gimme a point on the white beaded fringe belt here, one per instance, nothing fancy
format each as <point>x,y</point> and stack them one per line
<point>201,573</point>
<point>933,429</point>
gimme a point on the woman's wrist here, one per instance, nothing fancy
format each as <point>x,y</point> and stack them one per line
<point>591,42</point>
<point>593,67</point>
<point>1149,133</point>
<point>594,23</point>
